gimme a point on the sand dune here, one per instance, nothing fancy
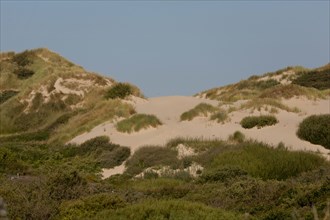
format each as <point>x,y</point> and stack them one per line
<point>169,109</point>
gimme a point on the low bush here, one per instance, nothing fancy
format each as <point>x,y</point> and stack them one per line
<point>25,58</point>
<point>259,121</point>
<point>316,129</point>
<point>202,109</point>
<point>119,90</point>
<point>138,122</point>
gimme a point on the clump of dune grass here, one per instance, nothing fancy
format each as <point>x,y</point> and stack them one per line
<point>202,109</point>
<point>219,116</point>
<point>258,103</point>
<point>258,121</point>
<point>138,122</point>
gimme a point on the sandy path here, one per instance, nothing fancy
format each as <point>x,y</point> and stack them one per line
<point>169,109</point>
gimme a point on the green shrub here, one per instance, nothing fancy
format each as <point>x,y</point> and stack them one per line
<point>316,79</point>
<point>150,156</point>
<point>259,121</point>
<point>202,109</point>
<point>119,90</point>
<point>316,129</point>
<point>138,122</point>
<point>260,160</point>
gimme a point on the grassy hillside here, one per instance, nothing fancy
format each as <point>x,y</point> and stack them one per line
<point>284,83</point>
<point>42,91</point>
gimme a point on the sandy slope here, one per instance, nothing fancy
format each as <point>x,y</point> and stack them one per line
<point>169,109</point>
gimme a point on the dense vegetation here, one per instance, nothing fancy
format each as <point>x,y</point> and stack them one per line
<point>258,121</point>
<point>138,122</point>
<point>62,182</point>
<point>316,129</point>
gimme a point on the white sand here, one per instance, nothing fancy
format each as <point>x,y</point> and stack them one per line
<point>169,109</point>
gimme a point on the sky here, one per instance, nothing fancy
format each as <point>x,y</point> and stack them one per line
<point>172,47</point>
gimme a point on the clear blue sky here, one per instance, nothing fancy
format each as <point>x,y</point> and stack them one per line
<point>173,47</point>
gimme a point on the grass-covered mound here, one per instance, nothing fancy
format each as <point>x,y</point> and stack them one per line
<point>316,129</point>
<point>259,121</point>
<point>202,109</point>
<point>138,122</point>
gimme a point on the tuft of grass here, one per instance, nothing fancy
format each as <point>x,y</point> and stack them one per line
<point>316,129</point>
<point>202,109</point>
<point>259,160</point>
<point>259,121</point>
<point>219,116</point>
<point>138,122</point>
<point>119,90</point>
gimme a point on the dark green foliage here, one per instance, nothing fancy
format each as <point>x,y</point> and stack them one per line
<point>150,156</point>
<point>138,122</point>
<point>119,90</point>
<point>316,79</point>
<point>259,121</point>
<point>23,73</point>
<point>7,94</point>
<point>316,129</point>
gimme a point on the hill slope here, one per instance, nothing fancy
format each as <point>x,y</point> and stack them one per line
<point>40,90</point>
